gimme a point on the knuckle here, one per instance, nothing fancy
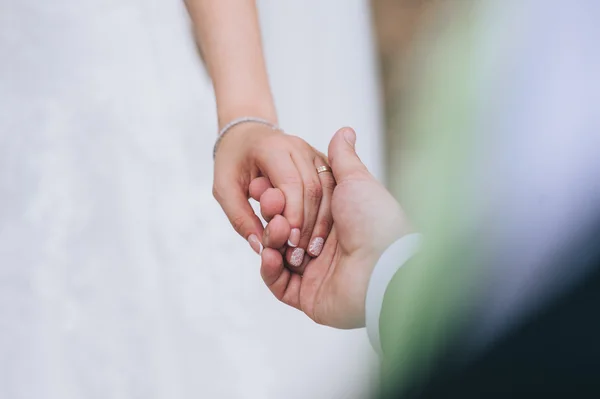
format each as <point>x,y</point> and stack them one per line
<point>326,224</point>
<point>307,232</point>
<point>313,190</point>
<point>328,182</point>
<point>238,223</point>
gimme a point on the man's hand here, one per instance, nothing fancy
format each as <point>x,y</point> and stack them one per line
<point>331,289</point>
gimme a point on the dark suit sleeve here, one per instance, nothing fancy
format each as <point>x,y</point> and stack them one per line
<point>388,326</point>
<point>554,351</point>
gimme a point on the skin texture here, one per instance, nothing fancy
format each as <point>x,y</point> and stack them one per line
<point>228,35</point>
<point>331,288</point>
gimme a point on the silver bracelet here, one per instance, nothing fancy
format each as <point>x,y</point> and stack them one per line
<point>239,121</point>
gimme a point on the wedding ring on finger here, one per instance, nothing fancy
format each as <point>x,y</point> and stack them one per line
<point>323,168</point>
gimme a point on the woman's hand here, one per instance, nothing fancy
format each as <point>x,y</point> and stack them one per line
<point>252,150</point>
<point>228,34</point>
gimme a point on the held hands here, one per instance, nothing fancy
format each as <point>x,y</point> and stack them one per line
<point>288,163</point>
<point>331,288</point>
<point>344,228</point>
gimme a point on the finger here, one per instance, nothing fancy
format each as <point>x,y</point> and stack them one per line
<point>317,270</point>
<point>302,262</point>
<point>235,204</point>
<point>284,175</point>
<point>312,196</point>
<point>342,156</point>
<point>283,284</point>
<point>324,218</point>
<point>272,202</point>
<point>295,257</point>
<point>276,232</point>
<point>258,186</point>
<point>312,199</point>
<point>273,273</point>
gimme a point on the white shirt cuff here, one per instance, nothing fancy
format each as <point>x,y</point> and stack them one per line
<point>392,259</point>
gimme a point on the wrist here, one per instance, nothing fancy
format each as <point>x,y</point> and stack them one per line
<point>228,111</point>
<point>373,256</point>
<point>250,131</point>
<point>368,260</point>
<point>393,258</point>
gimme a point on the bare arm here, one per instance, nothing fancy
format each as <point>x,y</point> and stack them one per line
<point>228,34</point>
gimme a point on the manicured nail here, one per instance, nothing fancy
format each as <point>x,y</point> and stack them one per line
<point>255,244</point>
<point>297,257</point>
<point>294,238</point>
<point>316,246</point>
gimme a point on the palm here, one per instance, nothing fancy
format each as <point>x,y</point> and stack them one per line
<point>333,286</point>
<point>366,220</point>
<point>321,295</point>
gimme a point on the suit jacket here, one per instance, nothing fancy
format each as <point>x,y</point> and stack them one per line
<point>554,350</point>
<point>501,174</point>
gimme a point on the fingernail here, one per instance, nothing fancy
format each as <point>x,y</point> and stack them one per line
<point>350,136</point>
<point>294,238</point>
<point>297,257</point>
<point>316,246</point>
<point>255,244</point>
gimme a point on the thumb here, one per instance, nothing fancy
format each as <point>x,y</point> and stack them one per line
<point>344,162</point>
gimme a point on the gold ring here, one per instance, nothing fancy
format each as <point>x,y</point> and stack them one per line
<point>323,168</point>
